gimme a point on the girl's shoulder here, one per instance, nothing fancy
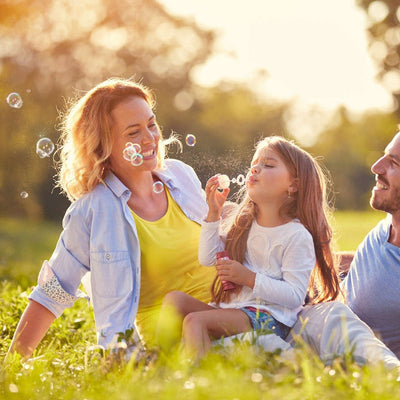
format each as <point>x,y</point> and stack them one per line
<point>297,229</point>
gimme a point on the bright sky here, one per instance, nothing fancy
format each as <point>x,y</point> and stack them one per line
<point>312,50</point>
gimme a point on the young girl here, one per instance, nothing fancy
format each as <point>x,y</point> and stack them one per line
<point>279,245</point>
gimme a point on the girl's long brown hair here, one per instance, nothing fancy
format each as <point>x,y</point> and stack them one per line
<point>309,205</point>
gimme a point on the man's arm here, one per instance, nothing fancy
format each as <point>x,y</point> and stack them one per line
<point>344,260</point>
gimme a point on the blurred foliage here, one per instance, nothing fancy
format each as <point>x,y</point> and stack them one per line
<point>55,49</point>
<point>384,42</point>
<point>349,148</point>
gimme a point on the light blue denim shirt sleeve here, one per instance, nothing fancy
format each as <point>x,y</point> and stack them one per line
<point>99,243</point>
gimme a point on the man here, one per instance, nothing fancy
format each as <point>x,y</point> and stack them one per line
<point>372,286</point>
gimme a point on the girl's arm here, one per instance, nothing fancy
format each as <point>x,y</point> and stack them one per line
<point>32,327</point>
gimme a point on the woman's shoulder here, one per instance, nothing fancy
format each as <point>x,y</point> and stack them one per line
<point>101,194</point>
<point>174,168</point>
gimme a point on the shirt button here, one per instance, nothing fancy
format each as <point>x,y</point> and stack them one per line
<point>108,256</point>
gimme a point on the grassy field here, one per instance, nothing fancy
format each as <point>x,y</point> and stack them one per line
<point>64,367</point>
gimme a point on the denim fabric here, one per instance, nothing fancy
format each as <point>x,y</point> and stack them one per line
<point>266,323</point>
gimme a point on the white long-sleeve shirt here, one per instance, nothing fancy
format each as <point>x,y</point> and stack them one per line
<point>282,258</point>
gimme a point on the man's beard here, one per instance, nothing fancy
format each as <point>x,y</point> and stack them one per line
<point>390,205</point>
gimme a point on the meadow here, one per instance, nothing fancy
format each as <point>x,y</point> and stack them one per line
<point>65,367</point>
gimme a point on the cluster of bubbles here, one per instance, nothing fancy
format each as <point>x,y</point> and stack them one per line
<point>224,181</point>
<point>132,154</point>
<point>44,147</point>
<point>14,100</point>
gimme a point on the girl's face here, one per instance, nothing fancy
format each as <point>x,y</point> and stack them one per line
<point>134,122</point>
<point>268,180</point>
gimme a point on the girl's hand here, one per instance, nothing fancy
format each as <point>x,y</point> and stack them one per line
<point>231,270</point>
<point>215,199</point>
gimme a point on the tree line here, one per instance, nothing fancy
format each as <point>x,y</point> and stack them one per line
<point>55,49</point>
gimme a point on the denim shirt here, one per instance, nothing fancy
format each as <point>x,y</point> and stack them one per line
<point>99,242</point>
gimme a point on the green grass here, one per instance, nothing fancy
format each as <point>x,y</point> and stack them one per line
<point>352,226</point>
<point>60,369</point>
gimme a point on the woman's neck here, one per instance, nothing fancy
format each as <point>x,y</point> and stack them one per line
<point>140,185</point>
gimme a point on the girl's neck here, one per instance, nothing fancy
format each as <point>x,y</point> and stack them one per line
<point>269,216</point>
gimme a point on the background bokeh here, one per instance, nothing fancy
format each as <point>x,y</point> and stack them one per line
<point>53,50</point>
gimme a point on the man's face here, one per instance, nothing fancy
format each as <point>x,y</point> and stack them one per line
<point>386,192</point>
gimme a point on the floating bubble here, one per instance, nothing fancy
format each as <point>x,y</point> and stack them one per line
<point>137,147</point>
<point>223,182</point>
<point>240,180</point>
<point>24,194</point>
<point>44,147</point>
<point>190,140</point>
<point>129,152</point>
<point>137,160</point>
<point>158,187</point>
<point>14,100</point>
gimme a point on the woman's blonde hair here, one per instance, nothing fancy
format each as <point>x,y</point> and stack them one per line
<point>86,137</point>
<point>309,205</point>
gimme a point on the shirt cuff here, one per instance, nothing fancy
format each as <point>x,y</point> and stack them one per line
<point>51,294</point>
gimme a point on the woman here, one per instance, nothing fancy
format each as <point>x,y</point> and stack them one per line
<point>130,238</point>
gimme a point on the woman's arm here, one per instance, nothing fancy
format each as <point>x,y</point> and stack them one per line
<point>33,325</point>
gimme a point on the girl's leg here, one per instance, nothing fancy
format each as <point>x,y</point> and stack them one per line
<point>175,306</point>
<point>200,327</point>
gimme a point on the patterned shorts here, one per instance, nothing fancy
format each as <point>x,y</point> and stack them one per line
<point>264,322</point>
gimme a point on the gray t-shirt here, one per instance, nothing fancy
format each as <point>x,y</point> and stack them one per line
<point>373,285</point>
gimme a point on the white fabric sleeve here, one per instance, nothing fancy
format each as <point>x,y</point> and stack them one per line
<point>297,263</point>
<point>210,243</point>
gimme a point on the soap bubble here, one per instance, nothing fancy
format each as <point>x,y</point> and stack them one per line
<point>137,147</point>
<point>44,147</point>
<point>223,182</point>
<point>137,160</point>
<point>233,180</point>
<point>24,195</point>
<point>190,140</point>
<point>240,180</point>
<point>14,100</point>
<point>158,187</point>
<point>128,153</point>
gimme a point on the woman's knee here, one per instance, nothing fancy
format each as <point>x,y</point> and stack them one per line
<point>174,298</point>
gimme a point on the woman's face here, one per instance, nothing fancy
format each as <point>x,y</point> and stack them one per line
<point>134,122</point>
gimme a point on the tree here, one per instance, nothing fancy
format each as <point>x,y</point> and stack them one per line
<point>384,40</point>
<point>349,148</point>
<point>51,48</point>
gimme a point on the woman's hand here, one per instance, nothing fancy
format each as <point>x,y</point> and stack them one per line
<point>233,271</point>
<point>215,199</point>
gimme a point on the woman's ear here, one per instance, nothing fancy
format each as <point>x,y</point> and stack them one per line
<point>293,187</point>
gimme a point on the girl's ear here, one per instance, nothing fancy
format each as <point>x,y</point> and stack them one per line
<point>293,187</point>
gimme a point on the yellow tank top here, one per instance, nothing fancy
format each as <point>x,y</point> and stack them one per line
<point>169,248</point>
